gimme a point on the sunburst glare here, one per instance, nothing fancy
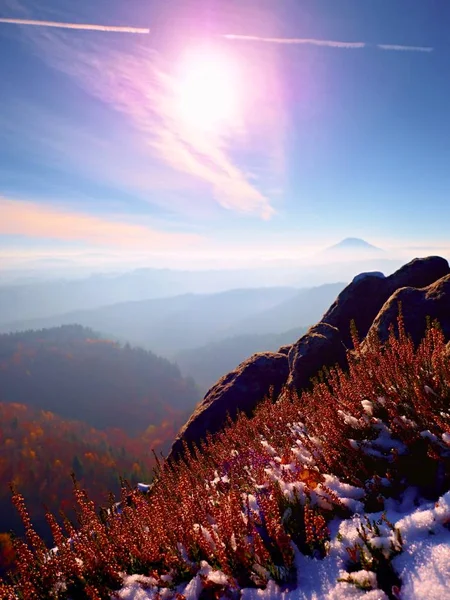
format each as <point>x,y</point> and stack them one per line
<point>207,91</point>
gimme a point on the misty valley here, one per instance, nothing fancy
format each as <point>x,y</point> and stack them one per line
<point>100,391</point>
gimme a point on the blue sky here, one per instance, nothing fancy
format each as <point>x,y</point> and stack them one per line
<point>342,128</point>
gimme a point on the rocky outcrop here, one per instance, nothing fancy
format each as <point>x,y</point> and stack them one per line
<point>362,300</point>
<point>239,391</point>
<point>371,300</point>
<point>321,347</point>
<point>418,305</point>
<point>285,349</point>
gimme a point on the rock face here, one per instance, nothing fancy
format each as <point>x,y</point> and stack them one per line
<point>321,347</point>
<point>364,297</point>
<point>417,305</point>
<point>240,390</point>
<point>285,349</point>
<point>371,300</point>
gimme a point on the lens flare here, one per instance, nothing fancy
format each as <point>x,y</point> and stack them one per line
<point>207,92</point>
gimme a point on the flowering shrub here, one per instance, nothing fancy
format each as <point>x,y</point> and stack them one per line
<point>251,496</point>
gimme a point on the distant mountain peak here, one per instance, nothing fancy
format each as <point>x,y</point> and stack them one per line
<point>352,243</point>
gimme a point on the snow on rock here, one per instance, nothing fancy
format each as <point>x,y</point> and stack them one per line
<point>423,565</point>
<point>268,448</point>
<point>144,487</point>
<point>349,495</point>
<point>195,587</point>
<point>138,587</point>
<point>383,444</point>
<point>424,569</point>
<point>422,521</point>
<point>206,535</point>
<point>368,407</point>
<point>317,580</point>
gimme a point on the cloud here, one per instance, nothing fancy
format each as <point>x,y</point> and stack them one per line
<point>326,43</point>
<point>294,41</point>
<point>114,157</point>
<point>35,220</point>
<point>82,26</point>
<point>139,84</point>
<point>405,48</point>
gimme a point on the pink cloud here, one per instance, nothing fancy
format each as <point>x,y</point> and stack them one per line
<point>43,221</point>
<point>140,85</point>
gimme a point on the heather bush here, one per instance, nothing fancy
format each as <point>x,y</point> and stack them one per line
<point>378,543</point>
<point>246,498</point>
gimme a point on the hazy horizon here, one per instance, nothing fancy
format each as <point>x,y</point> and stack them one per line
<point>76,265</point>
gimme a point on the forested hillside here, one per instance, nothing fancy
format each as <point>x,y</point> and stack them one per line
<point>39,451</point>
<point>73,402</point>
<point>209,363</point>
<point>71,371</point>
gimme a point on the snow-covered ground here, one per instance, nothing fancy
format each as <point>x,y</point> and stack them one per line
<point>422,564</point>
<point>402,553</point>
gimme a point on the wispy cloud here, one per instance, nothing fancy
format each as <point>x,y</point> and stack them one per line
<point>82,26</point>
<point>294,41</point>
<point>114,157</point>
<point>405,48</point>
<point>326,43</point>
<point>39,220</point>
<point>228,36</point>
<point>140,84</point>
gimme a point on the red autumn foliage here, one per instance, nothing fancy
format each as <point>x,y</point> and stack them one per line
<point>40,449</point>
<point>230,502</point>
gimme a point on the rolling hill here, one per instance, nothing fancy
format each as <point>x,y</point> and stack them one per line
<point>71,401</point>
<point>208,363</point>
<point>76,374</point>
<point>168,325</point>
<point>305,307</point>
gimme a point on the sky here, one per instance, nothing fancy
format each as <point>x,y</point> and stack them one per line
<point>206,132</point>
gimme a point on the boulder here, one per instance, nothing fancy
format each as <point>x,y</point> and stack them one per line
<point>419,273</point>
<point>362,276</point>
<point>362,299</point>
<point>418,304</point>
<point>285,349</point>
<point>325,344</point>
<point>320,347</point>
<point>238,391</point>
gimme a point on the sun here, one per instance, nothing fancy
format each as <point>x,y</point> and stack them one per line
<point>207,91</point>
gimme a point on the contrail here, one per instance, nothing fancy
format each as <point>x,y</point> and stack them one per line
<point>228,36</point>
<point>311,41</point>
<point>405,48</point>
<point>327,43</point>
<point>82,26</point>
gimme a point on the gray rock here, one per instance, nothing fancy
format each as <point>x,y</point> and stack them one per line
<point>285,349</point>
<point>419,273</point>
<point>369,274</point>
<point>362,300</point>
<point>418,304</point>
<point>321,347</point>
<point>238,391</point>
<point>325,344</point>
